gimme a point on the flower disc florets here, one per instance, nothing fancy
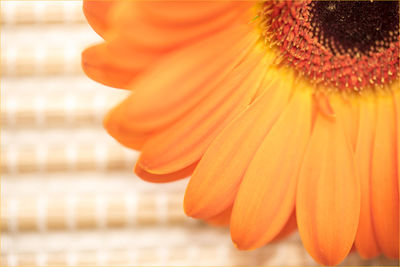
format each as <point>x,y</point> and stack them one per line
<point>345,45</point>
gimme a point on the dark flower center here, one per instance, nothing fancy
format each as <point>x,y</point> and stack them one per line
<point>351,26</point>
<point>343,45</point>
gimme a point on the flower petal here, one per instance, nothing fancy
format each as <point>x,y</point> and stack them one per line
<point>164,178</point>
<point>350,114</point>
<point>97,14</point>
<point>176,85</point>
<point>288,229</point>
<point>101,65</point>
<point>397,101</point>
<point>266,196</point>
<point>365,242</point>
<point>184,12</point>
<point>214,184</point>
<point>128,52</point>
<point>157,31</point>
<point>328,193</point>
<point>185,141</point>
<point>112,123</point>
<point>384,179</point>
<point>221,219</point>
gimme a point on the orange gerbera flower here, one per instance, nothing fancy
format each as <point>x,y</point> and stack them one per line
<point>286,112</point>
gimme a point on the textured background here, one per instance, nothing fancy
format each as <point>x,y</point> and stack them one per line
<point>68,193</point>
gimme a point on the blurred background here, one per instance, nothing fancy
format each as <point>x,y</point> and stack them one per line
<point>69,196</point>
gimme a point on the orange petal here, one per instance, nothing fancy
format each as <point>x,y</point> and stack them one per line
<point>365,242</point>
<point>97,12</point>
<point>328,193</point>
<point>185,141</point>
<point>214,184</point>
<point>116,63</point>
<point>176,85</point>
<point>183,12</point>
<point>397,101</point>
<point>158,31</point>
<point>321,106</point>
<point>129,52</point>
<point>126,137</point>
<point>349,112</point>
<point>288,229</point>
<point>384,179</point>
<point>119,123</point>
<point>100,66</point>
<point>164,178</point>
<point>221,219</point>
<point>266,196</point>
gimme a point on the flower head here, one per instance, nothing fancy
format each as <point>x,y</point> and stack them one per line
<point>284,113</point>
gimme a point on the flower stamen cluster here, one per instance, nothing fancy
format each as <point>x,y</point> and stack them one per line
<point>341,45</point>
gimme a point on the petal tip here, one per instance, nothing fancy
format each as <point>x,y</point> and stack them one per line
<point>190,206</point>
